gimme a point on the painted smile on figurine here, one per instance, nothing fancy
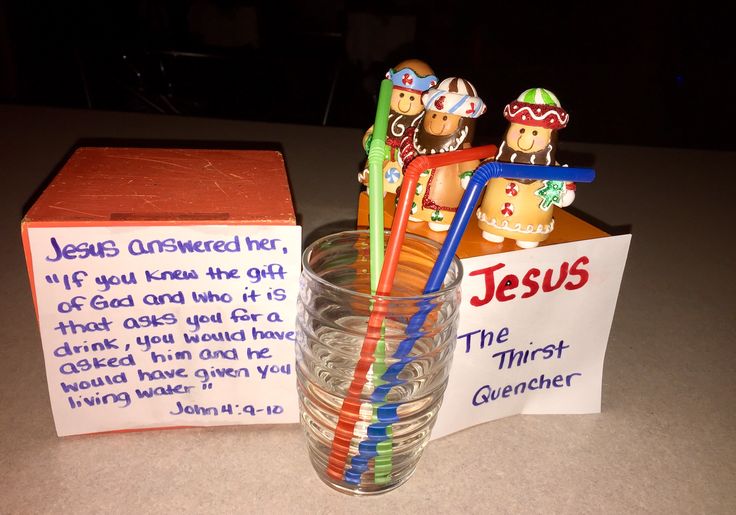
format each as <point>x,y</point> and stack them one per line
<point>528,139</point>
<point>408,104</point>
<point>441,125</point>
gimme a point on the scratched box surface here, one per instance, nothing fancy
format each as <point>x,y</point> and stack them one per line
<point>165,283</point>
<point>534,324</point>
<point>114,185</point>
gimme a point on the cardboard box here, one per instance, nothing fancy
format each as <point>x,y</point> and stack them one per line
<point>163,279</point>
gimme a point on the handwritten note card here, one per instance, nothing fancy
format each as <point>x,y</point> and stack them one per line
<point>533,331</point>
<point>156,326</point>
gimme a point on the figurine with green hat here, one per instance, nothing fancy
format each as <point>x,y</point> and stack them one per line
<point>522,209</point>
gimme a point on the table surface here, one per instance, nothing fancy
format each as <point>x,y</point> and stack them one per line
<point>664,441</point>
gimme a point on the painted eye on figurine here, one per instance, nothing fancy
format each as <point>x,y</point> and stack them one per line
<point>434,115</point>
<point>522,131</point>
<point>401,95</point>
<point>444,118</point>
<point>411,98</point>
<point>534,133</point>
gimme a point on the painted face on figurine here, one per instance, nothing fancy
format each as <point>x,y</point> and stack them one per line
<point>440,124</point>
<point>527,139</point>
<point>406,102</point>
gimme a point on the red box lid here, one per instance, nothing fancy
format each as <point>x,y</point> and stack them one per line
<point>98,185</point>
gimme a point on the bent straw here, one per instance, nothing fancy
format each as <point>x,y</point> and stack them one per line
<point>349,413</point>
<point>378,445</point>
<point>403,207</point>
<point>481,176</point>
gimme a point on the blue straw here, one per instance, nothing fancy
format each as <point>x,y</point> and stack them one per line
<point>484,173</point>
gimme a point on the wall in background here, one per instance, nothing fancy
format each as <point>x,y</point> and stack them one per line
<point>650,76</point>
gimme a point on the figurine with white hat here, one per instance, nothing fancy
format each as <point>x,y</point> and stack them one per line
<point>448,124</point>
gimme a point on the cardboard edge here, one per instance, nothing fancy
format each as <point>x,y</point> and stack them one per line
<point>24,226</point>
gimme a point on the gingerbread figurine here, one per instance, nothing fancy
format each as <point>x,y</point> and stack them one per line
<point>522,209</point>
<point>410,79</point>
<point>448,124</point>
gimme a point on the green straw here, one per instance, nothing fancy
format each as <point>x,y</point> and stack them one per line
<point>376,155</point>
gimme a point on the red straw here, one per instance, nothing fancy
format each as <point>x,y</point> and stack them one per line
<point>349,413</point>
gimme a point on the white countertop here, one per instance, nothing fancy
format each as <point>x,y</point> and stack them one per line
<point>664,442</point>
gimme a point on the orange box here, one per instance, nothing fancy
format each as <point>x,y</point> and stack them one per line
<point>151,268</point>
<point>108,186</point>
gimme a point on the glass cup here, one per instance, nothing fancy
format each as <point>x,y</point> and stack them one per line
<point>371,370</point>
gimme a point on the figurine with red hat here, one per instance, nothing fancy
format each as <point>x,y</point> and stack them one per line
<point>522,209</point>
<point>410,79</point>
<point>448,124</point>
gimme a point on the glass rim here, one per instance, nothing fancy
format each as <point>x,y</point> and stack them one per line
<point>422,296</point>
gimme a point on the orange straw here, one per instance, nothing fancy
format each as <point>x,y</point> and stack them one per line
<point>349,413</point>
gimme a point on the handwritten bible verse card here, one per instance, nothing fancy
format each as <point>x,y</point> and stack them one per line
<point>160,326</point>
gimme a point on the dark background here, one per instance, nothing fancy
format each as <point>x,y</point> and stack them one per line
<point>650,74</point>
